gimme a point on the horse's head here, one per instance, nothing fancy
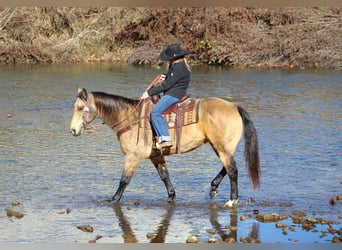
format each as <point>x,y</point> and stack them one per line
<point>84,112</point>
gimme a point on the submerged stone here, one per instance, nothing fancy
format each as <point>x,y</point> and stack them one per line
<point>192,239</point>
<point>86,228</point>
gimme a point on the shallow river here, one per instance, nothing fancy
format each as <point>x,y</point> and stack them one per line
<point>297,115</point>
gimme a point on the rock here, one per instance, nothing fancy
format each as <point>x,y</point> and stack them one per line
<point>299,213</point>
<point>12,213</point>
<point>297,219</point>
<point>308,226</point>
<point>92,241</point>
<point>280,225</point>
<point>243,218</point>
<point>98,237</point>
<point>15,203</point>
<point>255,211</point>
<point>150,235</point>
<point>9,115</point>
<point>214,240</point>
<point>250,200</point>
<point>332,230</point>
<point>230,240</point>
<point>232,228</point>
<point>192,239</point>
<point>211,231</point>
<point>86,228</point>
<point>268,217</point>
<point>339,197</point>
<point>337,239</point>
<point>332,201</point>
<point>249,240</point>
<point>68,210</point>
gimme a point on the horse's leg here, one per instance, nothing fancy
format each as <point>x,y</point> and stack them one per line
<point>216,182</point>
<point>160,165</point>
<point>233,177</point>
<point>229,168</point>
<point>131,164</point>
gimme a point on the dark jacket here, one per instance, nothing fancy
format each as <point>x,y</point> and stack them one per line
<point>176,81</point>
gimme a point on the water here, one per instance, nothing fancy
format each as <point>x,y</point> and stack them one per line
<point>297,115</point>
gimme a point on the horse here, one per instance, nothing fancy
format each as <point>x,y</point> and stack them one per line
<point>220,123</point>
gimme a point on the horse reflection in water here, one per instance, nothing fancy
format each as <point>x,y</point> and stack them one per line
<point>128,234</point>
<point>220,123</point>
<point>228,234</point>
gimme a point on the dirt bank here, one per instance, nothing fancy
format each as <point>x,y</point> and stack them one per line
<point>240,37</point>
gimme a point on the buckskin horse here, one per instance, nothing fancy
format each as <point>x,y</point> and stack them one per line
<point>220,123</point>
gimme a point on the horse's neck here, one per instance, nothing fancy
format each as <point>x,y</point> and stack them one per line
<point>116,114</point>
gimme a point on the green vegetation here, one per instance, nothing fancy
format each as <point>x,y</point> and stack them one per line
<point>238,37</point>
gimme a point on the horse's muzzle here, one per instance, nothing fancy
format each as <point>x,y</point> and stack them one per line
<point>73,132</point>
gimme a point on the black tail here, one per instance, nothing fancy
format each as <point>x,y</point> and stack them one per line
<point>251,147</point>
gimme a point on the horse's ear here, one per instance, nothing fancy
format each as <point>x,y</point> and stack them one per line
<point>83,94</point>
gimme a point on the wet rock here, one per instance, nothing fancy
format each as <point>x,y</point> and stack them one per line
<point>9,115</point>
<point>243,218</point>
<point>61,212</point>
<point>15,203</point>
<point>232,228</point>
<point>332,201</point>
<point>150,235</point>
<point>214,240</point>
<point>299,213</point>
<point>292,229</point>
<point>280,225</point>
<point>230,240</point>
<point>86,228</point>
<point>337,239</point>
<point>268,217</point>
<point>255,211</point>
<point>250,200</point>
<point>308,226</point>
<point>92,241</point>
<point>12,213</point>
<point>211,231</point>
<point>332,230</point>
<point>249,240</point>
<point>98,237</point>
<point>339,197</point>
<point>68,210</point>
<point>192,239</point>
<point>129,208</point>
<point>296,219</point>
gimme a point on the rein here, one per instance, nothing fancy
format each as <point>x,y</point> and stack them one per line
<point>154,82</point>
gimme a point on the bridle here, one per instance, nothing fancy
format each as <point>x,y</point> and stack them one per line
<point>92,129</point>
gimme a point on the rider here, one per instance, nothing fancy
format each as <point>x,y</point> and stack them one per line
<point>174,85</point>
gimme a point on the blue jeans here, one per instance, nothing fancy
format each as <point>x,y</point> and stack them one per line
<point>158,122</point>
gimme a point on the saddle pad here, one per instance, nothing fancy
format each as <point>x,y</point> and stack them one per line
<point>188,108</point>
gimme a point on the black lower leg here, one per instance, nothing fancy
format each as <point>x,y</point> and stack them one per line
<point>160,165</point>
<point>233,176</point>
<point>164,175</point>
<point>125,179</point>
<point>216,182</point>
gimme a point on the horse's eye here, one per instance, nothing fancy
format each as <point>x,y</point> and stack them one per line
<point>80,108</point>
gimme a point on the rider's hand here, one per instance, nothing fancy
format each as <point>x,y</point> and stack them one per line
<point>144,95</point>
<point>162,78</point>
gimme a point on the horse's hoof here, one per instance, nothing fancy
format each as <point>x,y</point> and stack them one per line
<point>231,203</point>
<point>212,194</point>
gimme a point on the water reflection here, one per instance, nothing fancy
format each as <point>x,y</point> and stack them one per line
<point>296,113</point>
<point>128,234</point>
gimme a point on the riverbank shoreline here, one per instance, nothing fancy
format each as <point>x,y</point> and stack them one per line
<point>283,37</point>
